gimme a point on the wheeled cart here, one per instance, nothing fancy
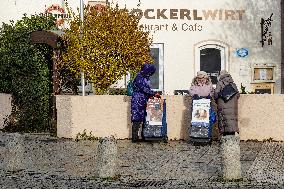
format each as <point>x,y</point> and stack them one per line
<point>155,125</point>
<point>203,118</point>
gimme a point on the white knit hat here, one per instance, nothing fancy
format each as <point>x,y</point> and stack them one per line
<point>201,74</point>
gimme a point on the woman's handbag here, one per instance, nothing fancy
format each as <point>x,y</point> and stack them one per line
<point>228,92</point>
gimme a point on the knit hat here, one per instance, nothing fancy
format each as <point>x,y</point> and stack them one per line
<point>223,72</point>
<point>201,74</point>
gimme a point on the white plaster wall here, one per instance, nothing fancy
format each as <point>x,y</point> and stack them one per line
<point>260,116</point>
<point>64,115</point>
<point>104,115</point>
<point>5,107</point>
<point>179,45</point>
<point>15,9</point>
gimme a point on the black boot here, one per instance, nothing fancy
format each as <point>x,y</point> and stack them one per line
<point>135,129</point>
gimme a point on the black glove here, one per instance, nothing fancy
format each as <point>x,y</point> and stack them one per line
<point>195,96</point>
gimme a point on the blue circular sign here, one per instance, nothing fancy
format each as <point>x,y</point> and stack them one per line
<point>242,52</point>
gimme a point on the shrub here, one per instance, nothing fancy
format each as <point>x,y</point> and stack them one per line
<point>25,73</point>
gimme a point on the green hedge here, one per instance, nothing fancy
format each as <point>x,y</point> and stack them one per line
<point>25,72</point>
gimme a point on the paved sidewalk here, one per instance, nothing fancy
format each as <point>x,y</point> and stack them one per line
<point>41,161</point>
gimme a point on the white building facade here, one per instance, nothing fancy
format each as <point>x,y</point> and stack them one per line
<point>243,37</point>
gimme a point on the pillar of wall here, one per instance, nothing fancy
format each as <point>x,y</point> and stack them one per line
<point>5,108</point>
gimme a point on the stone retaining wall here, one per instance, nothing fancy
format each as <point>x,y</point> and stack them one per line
<point>260,116</point>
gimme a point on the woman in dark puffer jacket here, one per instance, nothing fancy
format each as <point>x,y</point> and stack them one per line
<point>227,111</point>
<point>141,93</point>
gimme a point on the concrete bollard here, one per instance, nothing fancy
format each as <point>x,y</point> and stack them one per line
<point>107,158</point>
<point>13,159</point>
<point>231,163</point>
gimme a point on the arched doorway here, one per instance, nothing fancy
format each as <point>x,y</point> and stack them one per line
<point>211,56</point>
<point>51,38</point>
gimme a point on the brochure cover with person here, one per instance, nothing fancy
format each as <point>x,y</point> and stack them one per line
<point>200,112</point>
<point>154,111</point>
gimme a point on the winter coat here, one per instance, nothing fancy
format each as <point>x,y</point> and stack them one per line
<point>141,93</point>
<point>227,112</point>
<point>205,90</point>
<point>201,90</point>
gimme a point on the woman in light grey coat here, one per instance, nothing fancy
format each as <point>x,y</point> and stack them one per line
<point>227,111</point>
<point>201,85</point>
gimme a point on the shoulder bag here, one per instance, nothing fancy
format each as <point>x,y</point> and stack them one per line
<point>228,92</point>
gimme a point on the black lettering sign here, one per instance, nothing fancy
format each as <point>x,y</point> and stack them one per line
<point>265,33</point>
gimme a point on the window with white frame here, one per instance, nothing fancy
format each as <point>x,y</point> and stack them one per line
<point>157,80</point>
